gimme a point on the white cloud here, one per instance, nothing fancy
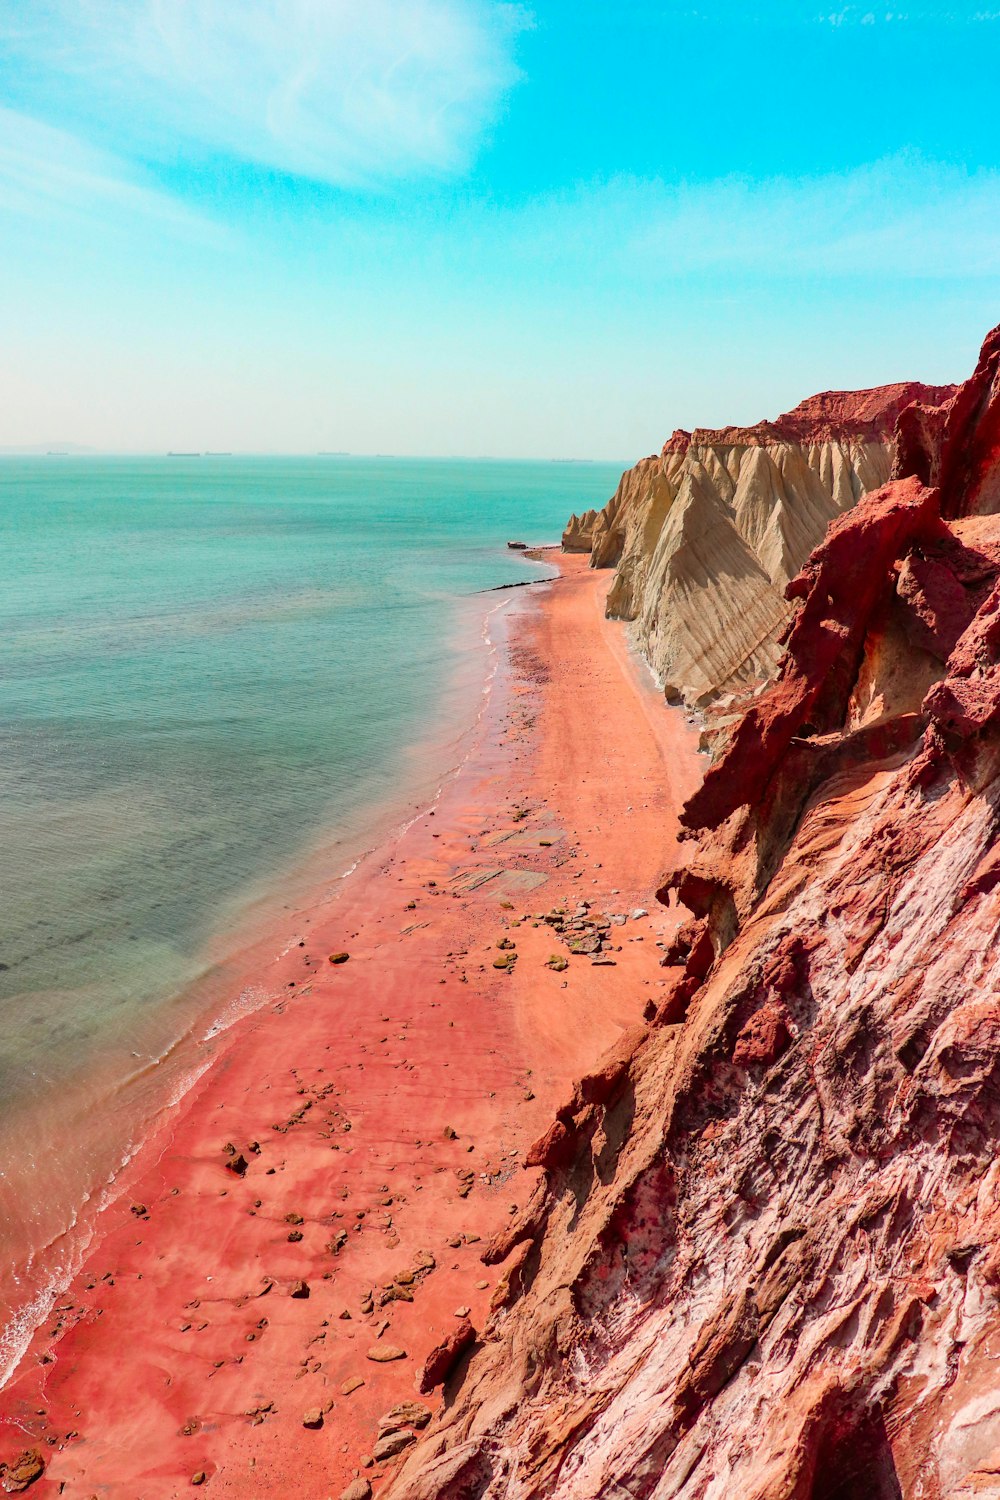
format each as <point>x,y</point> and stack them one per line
<point>47,173</point>
<point>350,92</point>
<point>903,216</point>
<point>860,15</point>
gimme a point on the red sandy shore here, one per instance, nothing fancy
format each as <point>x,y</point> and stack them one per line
<point>180,1349</point>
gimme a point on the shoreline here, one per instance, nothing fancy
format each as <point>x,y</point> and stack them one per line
<point>238,974</point>
<point>145,1359</point>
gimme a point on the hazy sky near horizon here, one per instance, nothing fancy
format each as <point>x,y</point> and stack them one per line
<point>461,227</point>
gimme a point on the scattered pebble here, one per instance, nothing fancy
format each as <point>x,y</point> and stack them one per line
<point>392,1443</point>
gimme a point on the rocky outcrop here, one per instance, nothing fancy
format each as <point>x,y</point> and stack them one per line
<point>762,1258</point>
<point>705,536</point>
<point>579,533</point>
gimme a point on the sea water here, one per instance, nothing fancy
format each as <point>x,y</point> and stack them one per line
<point>208,666</point>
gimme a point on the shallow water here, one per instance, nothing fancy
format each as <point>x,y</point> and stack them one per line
<point>210,666</point>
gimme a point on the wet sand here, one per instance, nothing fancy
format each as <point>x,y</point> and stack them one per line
<point>378,1115</point>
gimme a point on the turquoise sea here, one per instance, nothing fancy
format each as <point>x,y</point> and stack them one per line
<point>207,664</point>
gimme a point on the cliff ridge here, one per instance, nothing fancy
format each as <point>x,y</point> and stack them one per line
<point>762,1257</point>
<point>705,536</point>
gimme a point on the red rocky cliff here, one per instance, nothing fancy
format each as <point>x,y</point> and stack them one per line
<point>763,1255</point>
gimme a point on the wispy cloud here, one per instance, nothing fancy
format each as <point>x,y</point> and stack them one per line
<point>348,92</point>
<point>903,216</point>
<point>805,14</point>
<point>881,15</point>
<point>49,174</point>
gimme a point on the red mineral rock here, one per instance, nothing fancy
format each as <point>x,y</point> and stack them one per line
<point>763,1260</point>
<point>445,1356</point>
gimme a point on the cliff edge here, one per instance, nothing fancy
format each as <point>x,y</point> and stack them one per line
<point>705,536</point>
<point>762,1257</point>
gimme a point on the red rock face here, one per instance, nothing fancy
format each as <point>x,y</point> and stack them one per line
<point>763,1256</point>
<point>830,417</point>
<point>955,444</point>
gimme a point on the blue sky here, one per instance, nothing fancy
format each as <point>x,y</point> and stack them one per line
<point>456,227</point>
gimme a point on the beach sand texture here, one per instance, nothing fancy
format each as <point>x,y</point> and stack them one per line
<point>307,1225</point>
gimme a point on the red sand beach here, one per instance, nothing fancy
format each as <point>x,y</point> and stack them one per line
<point>379,1116</point>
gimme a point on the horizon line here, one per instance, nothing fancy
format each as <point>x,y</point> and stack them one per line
<point>34,451</point>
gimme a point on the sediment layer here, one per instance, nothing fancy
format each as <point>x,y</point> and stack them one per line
<point>705,536</point>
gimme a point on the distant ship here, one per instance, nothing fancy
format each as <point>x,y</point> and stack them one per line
<point>172,454</point>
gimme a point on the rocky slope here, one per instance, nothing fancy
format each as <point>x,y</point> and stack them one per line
<point>705,536</point>
<point>762,1258</point>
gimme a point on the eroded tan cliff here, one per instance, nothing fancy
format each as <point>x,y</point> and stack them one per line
<point>705,536</point>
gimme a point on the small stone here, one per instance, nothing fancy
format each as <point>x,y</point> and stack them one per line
<point>589,943</point>
<point>406,1414</point>
<point>294,1235</point>
<point>199,1478</point>
<point>358,1489</point>
<point>384,1354</point>
<point>312,1418</point>
<point>462,1312</point>
<point>299,1289</point>
<point>339,958</point>
<point>354,1383</point>
<point>444,1357</point>
<point>26,1468</point>
<point>392,1443</point>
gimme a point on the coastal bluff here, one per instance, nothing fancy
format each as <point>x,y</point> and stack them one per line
<point>705,536</point>
<point>762,1257</point>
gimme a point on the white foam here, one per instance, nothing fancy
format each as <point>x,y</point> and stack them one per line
<point>251,998</point>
